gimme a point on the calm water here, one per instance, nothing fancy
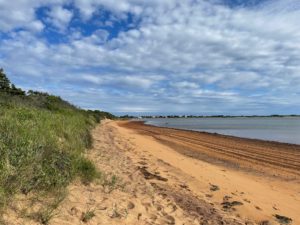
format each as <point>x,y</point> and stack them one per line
<point>275,129</point>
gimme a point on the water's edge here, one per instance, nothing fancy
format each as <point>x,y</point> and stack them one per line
<point>281,130</point>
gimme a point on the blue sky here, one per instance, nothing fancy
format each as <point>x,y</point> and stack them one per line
<point>157,57</point>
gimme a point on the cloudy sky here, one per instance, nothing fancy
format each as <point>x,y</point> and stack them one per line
<point>159,56</point>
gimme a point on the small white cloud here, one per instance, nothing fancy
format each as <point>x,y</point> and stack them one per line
<point>135,82</point>
<point>92,78</point>
<point>86,8</point>
<point>185,85</point>
<point>35,26</point>
<point>22,13</point>
<point>98,37</point>
<point>60,17</point>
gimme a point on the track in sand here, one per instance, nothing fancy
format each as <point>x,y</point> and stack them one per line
<point>272,158</point>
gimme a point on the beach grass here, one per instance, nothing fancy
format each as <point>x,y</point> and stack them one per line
<point>40,149</point>
<point>42,144</point>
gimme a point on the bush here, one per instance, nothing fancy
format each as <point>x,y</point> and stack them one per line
<point>86,170</point>
<point>40,149</point>
<point>42,140</point>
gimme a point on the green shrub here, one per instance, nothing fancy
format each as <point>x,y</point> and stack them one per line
<point>42,149</point>
<point>42,141</point>
<point>86,170</point>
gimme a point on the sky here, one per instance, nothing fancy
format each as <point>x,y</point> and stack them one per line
<point>142,57</point>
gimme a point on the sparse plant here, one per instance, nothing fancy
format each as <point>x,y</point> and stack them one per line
<point>48,204</point>
<point>109,182</point>
<point>43,217</point>
<point>88,215</point>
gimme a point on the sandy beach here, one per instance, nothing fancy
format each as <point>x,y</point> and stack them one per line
<point>150,112</point>
<point>165,176</point>
<point>269,158</point>
<point>262,175</point>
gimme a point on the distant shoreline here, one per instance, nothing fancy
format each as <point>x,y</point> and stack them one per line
<point>217,116</point>
<point>261,141</point>
<point>277,129</point>
<point>235,145</point>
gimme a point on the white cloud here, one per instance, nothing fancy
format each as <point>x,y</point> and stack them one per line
<point>60,17</point>
<point>200,53</point>
<point>185,85</point>
<point>134,82</point>
<point>14,14</point>
<point>20,13</point>
<point>88,8</point>
<point>35,26</point>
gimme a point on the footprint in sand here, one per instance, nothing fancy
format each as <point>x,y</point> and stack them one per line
<point>142,163</point>
<point>228,206</point>
<point>214,187</point>
<point>149,176</point>
<point>184,186</point>
<point>258,208</point>
<point>246,200</point>
<point>171,208</point>
<point>166,220</point>
<point>74,211</point>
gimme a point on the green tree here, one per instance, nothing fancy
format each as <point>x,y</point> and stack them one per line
<point>16,91</point>
<point>4,82</point>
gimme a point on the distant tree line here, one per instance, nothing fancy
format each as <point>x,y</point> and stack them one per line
<point>42,99</point>
<point>7,87</point>
<point>197,116</point>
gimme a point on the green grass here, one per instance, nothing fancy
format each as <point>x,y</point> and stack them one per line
<point>40,148</point>
<point>42,143</point>
<point>86,170</point>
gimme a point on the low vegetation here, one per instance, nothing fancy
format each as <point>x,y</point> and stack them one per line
<point>42,141</point>
<point>87,216</point>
